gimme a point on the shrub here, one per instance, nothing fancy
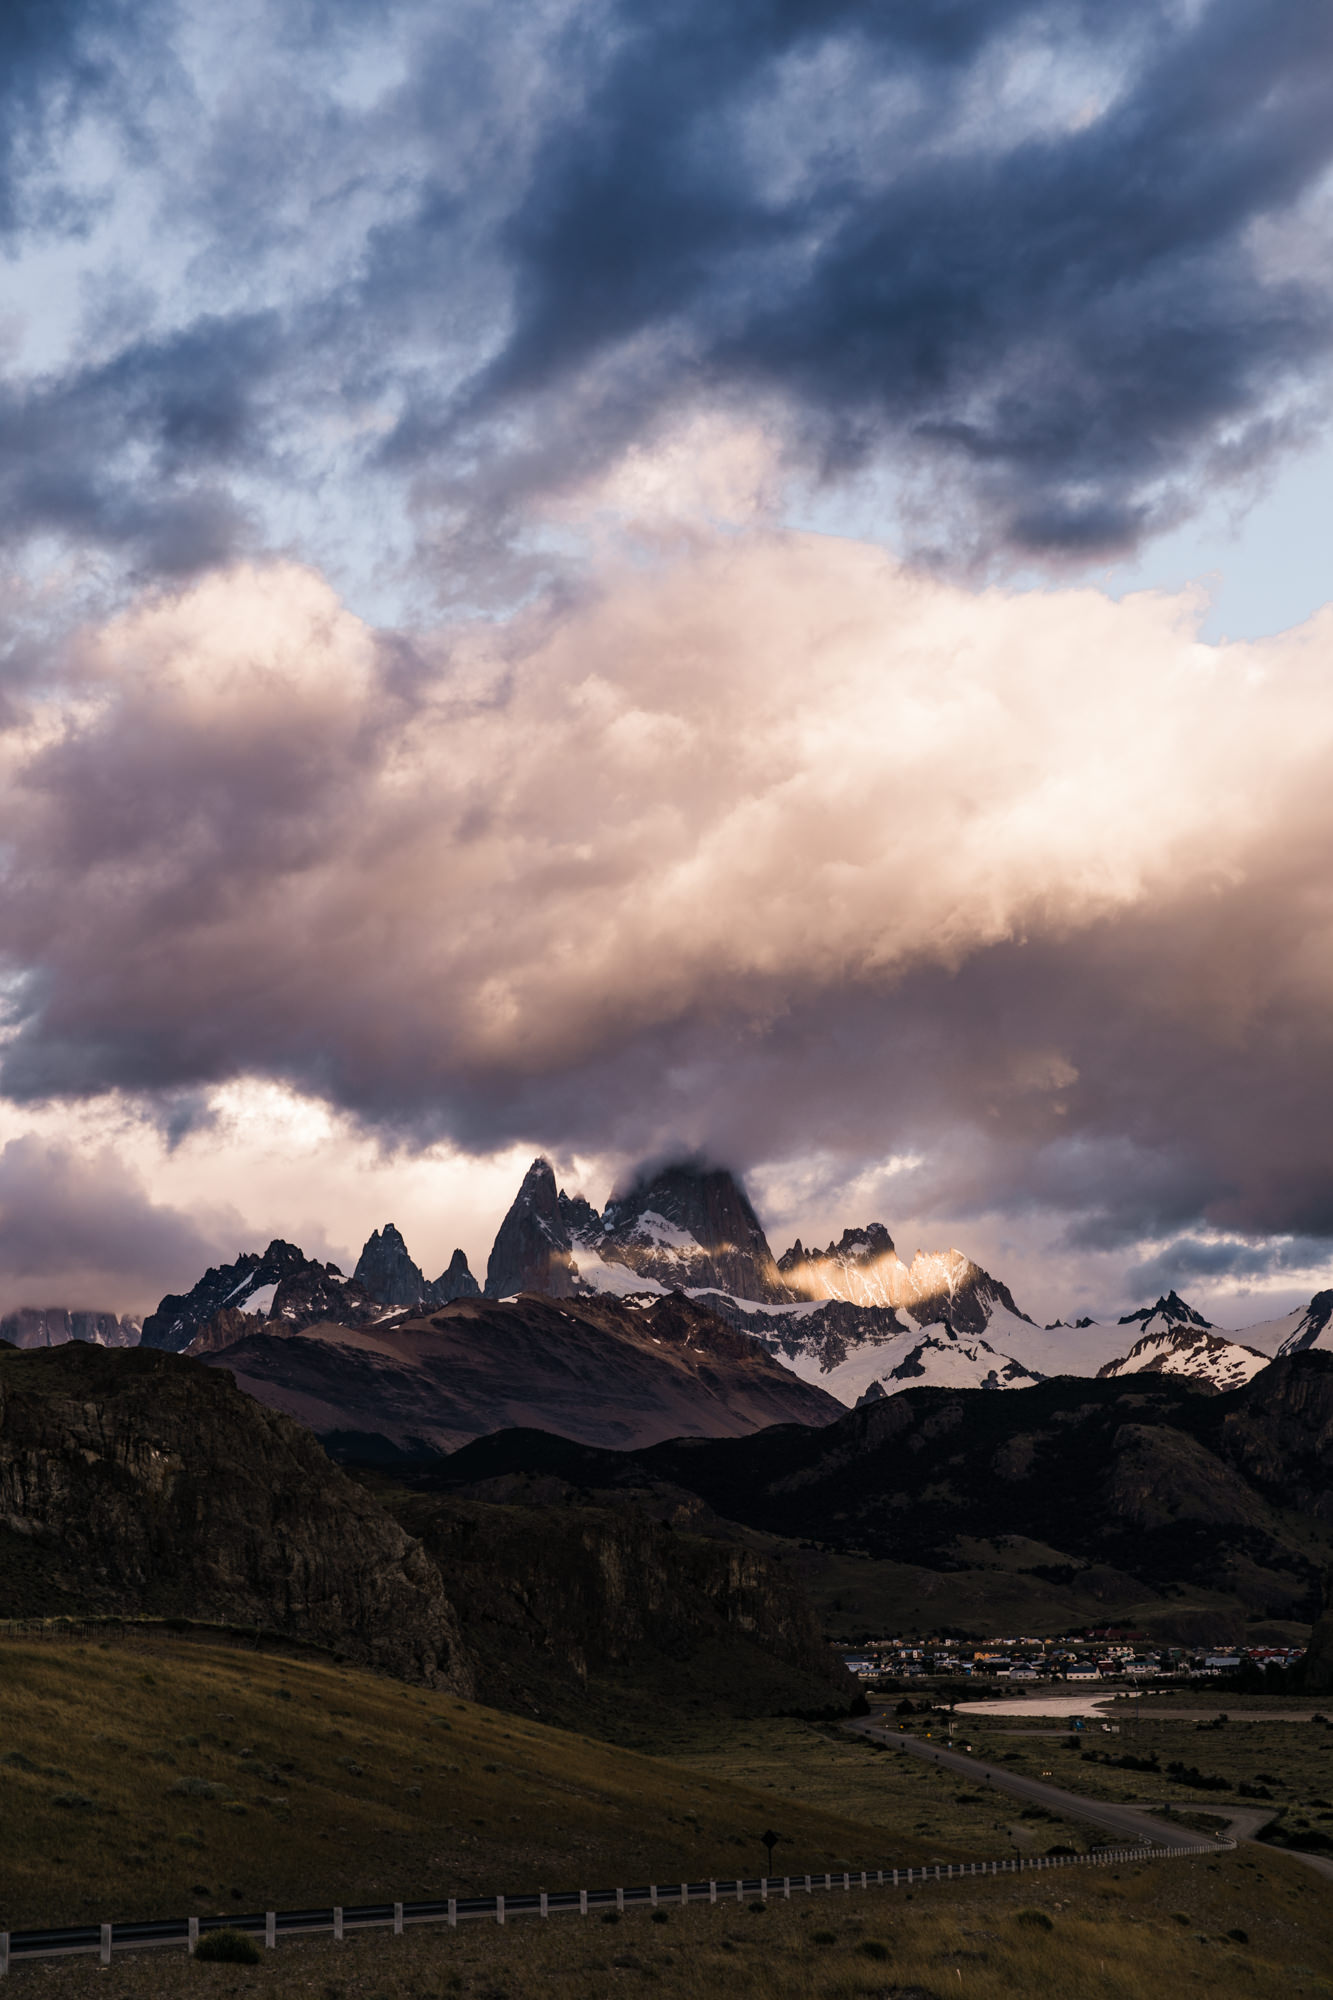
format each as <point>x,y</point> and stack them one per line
<point>661,1917</point>
<point>1240,1937</point>
<point>823,1937</point>
<point>227,1948</point>
<point>610,1916</point>
<point>198,1788</point>
<point>873,1948</point>
<point>1035,1920</point>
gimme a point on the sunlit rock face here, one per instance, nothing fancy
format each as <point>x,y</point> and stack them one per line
<point>864,1268</point>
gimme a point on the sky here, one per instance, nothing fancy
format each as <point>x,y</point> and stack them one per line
<point>628,580</point>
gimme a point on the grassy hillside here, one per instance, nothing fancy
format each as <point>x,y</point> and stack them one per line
<point>157,1778</point>
<point>1259,1926</point>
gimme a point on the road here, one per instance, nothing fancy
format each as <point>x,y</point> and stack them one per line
<point>1129,1821</point>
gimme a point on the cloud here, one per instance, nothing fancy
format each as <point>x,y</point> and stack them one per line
<point>765,846</point>
<point>1051,272</point>
<point>80,1230</point>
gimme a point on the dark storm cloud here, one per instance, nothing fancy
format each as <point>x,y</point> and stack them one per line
<point>1069,321</point>
<point>1190,1258</point>
<point>612,882</point>
<point>133,454</point>
<point>1028,257</point>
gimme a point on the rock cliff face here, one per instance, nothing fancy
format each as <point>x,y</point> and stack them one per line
<point>555,1597</point>
<point>457,1282</point>
<point>386,1272</point>
<point>533,1251</point>
<point>144,1483</point>
<point>52,1326</point>
<point>389,1275</point>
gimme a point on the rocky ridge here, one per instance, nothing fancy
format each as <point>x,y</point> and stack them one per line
<point>609,1371</point>
<point>1188,1350</point>
<point>140,1483</point>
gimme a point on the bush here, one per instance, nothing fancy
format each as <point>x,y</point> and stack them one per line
<point>610,1916</point>
<point>1240,1937</point>
<point>823,1937</point>
<point>872,1948</point>
<point>1035,1920</point>
<point>661,1917</point>
<point>227,1948</point>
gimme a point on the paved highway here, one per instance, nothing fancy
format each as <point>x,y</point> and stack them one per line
<point>1130,1822</point>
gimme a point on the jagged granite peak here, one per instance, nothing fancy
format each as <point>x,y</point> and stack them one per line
<point>457,1282</point>
<point>1172,1310</point>
<point>314,1294</point>
<point>1190,1351</point>
<point>52,1326</point>
<point>248,1285</point>
<point>388,1273</point>
<point>864,1268</point>
<point>691,1225</point>
<point>532,1249</point>
<point>854,1246</point>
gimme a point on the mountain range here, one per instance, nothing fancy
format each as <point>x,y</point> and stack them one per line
<point>1190,1511</point>
<point>852,1322</point>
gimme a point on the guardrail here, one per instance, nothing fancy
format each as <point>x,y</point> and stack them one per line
<point>17,1947</point>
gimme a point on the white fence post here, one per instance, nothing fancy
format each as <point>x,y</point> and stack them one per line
<point>192,1936</point>
<point>499,1909</point>
<point>620,1901</point>
<point>652,1894</point>
<point>684,1893</point>
<point>4,1953</point>
<point>398,1920</point>
<point>809,1886</point>
<point>583,1902</point>
<point>270,1929</point>
<point>712,1890</point>
<point>338,1924</point>
<point>740,1888</point>
<point>453,1912</point>
<point>106,1944</point>
<point>786,1888</point>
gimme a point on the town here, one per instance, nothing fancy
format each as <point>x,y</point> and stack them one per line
<point>1110,1655</point>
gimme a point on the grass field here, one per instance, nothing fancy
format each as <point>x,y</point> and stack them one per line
<point>1252,1925</point>
<point>903,1796</point>
<point>164,1777</point>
